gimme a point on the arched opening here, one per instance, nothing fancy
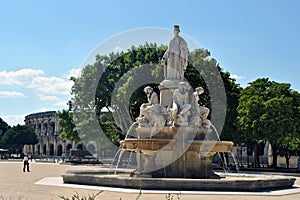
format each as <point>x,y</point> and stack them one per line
<point>38,149</point>
<point>52,125</point>
<point>79,147</point>
<point>45,129</point>
<point>91,148</point>
<point>68,149</point>
<point>59,150</point>
<point>51,150</point>
<point>39,129</point>
<point>44,149</point>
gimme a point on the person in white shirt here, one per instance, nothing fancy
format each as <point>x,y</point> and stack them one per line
<point>26,164</point>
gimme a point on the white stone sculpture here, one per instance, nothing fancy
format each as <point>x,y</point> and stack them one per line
<point>175,59</point>
<point>181,106</point>
<point>150,112</point>
<point>200,112</point>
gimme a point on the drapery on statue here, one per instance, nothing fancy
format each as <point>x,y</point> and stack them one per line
<point>181,104</point>
<point>152,100</point>
<point>151,113</point>
<point>175,59</point>
<point>201,112</point>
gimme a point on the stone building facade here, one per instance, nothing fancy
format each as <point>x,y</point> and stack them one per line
<point>46,127</point>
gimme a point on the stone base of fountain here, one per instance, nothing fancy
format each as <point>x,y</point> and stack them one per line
<point>175,152</point>
<point>195,161</point>
<point>229,182</point>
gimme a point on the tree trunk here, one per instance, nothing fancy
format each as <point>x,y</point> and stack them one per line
<point>257,161</point>
<point>248,157</point>
<point>274,153</point>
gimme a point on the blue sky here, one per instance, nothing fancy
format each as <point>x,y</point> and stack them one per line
<point>43,42</point>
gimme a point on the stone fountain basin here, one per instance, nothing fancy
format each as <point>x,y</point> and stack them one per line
<point>153,145</point>
<point>170,133</point>
<point>229,182</point>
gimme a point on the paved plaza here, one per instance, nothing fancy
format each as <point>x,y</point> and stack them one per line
<point>44,182</point>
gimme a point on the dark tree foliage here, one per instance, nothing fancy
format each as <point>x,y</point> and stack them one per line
<point>67,127</point>
<point>3,128</point>
<point>16,137</point>
<point>269,111</point>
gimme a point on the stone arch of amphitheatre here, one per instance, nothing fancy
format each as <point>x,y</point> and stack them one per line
<point>46,127</point>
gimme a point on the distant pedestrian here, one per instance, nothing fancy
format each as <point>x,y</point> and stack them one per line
<point>26,164</point>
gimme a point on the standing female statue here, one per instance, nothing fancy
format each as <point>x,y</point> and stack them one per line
<point>175,59</point>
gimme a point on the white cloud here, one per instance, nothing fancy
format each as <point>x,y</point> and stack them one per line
<point>19,77</point>
<point>51,85</point>
<point>36,79</point>
<point>48,98</point>
<point>236,77</point>
<point>74,73</point>
<point>11,94</point>
<point>14,119</point>
<point>50,91</point>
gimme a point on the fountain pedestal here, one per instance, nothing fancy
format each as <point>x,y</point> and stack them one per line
<point>189,165</point>
<point>175,154</point>
<point>167,88</point>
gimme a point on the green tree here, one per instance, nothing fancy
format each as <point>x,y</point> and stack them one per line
<point>92,94</point>
<point>109,127</point>
<point>16,137</point>
<point>289,146</point>
<point>267,112</point>
<point>289,111</point>
<point>67,126</point>
<point>3,128</point>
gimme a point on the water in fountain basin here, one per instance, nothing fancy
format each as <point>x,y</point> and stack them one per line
<point>206,168</point>
<point>119,159</point>
<point>129,130</point>
<point>223,162</point>
<point>114,159</point>
<point>222,157</point>
<point>184,157</point>
<point>164,164</point>
<point>129,159</point>
<point>217,133</point>
<point>235,167</point>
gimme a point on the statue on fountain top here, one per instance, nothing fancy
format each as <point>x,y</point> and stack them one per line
<point>177,106</point>
<point>175,59</point>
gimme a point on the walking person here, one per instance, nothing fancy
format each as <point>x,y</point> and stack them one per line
<point>26,163</point>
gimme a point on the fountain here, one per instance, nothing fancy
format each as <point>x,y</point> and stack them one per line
<point>174,146</point>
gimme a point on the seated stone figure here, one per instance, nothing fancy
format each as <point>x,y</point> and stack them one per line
<point>180,106</point>
<point>148,109</point>
<point>200,112</point>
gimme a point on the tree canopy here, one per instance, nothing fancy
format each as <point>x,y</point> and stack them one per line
<point>3,128</point>
<point>17,136</point>
<point>67,127</point>
<point>269,111</point>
